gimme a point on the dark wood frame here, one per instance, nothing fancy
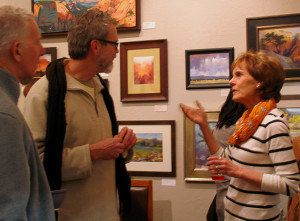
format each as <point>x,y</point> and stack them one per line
<point>254,23</point>
<point>188,53</point>
<point>290,97</point>
<point>124,66</point>
<point>137,27</point>
<point>52,51</point>
<point>157,123</point>
<point>191,173</point>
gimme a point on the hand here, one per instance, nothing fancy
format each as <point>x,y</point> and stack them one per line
<point>222,165</point>
<point>107,149</point>
<point>196,115</point>
<point>128,138</point>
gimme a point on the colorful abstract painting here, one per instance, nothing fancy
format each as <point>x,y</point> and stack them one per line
<point>143,70</point>
<point>54,16</point>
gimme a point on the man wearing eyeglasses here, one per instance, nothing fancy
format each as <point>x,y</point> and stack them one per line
<point>72,118</point>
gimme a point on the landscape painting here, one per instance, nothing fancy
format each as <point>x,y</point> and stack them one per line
<point>154,153</point>
<point>143,70</point>
<point>283,42</point>
<point>201,148</point>
<point>293,117</point>
<point>148,148</point>
<point>208,68</point>
<point>56,16</point>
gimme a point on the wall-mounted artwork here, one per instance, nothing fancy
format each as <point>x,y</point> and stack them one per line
<point>154,152</point>
<point>45,59</point>
<point>208,68</point>
<point>196,150</point>
<point>278,36</point>
<point>54,17</point>
<point>144,71</point>
<point>40,70</point>
<point>293,116</point>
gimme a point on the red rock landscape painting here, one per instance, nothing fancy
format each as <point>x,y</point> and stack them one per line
<point>283,43</point>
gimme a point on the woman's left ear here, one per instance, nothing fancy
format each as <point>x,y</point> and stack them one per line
<point>259,85</point>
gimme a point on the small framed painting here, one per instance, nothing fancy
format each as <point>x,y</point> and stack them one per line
<point>293,116</point>
<point>154,152</point>
<point>208,68</point>
<point>144,71</point>
<point>45,59</point>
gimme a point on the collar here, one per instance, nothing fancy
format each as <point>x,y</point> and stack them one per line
<point>74,84</point>
<point>10,84</point>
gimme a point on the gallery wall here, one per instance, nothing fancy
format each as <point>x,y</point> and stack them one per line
<point>187,25</point>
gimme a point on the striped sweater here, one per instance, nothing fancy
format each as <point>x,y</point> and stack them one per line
<point>268,151</point>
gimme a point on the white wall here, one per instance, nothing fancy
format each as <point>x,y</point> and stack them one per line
<point>190,24</point>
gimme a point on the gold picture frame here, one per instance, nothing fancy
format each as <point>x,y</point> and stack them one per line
<point>195,152</point>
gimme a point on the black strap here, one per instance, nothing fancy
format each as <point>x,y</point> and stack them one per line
<point>56,122</point>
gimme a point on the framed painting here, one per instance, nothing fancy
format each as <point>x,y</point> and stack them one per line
<point>45,59</point>
<point>54,17</point>
<point>196,150</point>
<point>278,36</point>
<point>40,70</point>
<point>293,116</point>
<point>154,152</point>
<point>144,71</point>
<point>208,68</point>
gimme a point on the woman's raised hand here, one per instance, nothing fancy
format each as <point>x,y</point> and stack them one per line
<point>196,115</point>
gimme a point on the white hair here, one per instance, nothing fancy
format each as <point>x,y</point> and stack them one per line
<point>14,25</point>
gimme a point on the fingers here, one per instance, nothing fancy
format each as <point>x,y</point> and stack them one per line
<point>128,138</point>
<point>123,132</point>
<point>199,105</point>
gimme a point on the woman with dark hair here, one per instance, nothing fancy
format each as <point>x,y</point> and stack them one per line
<point>260,159</point>
<point>230,112</point>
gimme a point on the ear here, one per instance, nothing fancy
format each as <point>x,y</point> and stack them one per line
<point>259,85</point>
<point>95,47</point>
<point>16,51</point>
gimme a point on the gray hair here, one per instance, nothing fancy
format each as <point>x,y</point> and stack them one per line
<point>14,25</point>
<point>91,25</point>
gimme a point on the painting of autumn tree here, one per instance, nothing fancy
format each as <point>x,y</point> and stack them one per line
<point>283,43</point>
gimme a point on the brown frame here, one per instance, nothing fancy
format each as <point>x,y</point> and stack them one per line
<point>148,184</point>
<point>168,167</point>
<point>54,32</point>
<point>191,173</point>
<point>253,24</point>
<point>156,91</point>
<point>53,55</point>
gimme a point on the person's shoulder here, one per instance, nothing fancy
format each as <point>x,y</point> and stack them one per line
<point>40,87</point>
<point>275,114</point>
<point>275,118</point>
<point>8,107</point>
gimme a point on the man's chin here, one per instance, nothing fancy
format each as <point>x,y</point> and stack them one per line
<point>109,68</point>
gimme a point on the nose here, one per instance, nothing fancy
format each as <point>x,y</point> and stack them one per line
<point>231,82</point>
<point>42,50</point>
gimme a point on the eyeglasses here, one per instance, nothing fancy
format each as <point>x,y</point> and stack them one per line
<point>110,42</point>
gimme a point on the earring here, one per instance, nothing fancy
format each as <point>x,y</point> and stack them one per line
<point>258,85</point>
